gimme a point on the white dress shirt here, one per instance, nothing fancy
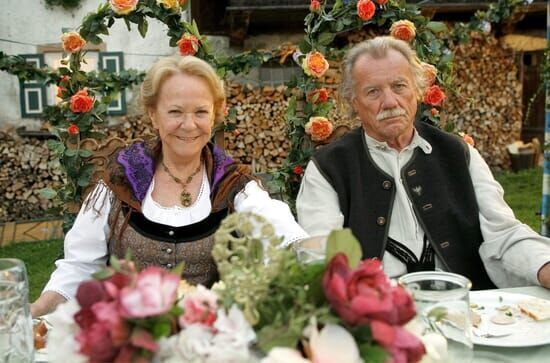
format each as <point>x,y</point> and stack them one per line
<point>511,252</point>
<point>86,243</point>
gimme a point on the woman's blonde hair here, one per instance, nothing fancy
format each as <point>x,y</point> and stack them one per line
<point>378,48</point>
<point>166,67</point>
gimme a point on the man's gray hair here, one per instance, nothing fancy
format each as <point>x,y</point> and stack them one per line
<point>378,48</point>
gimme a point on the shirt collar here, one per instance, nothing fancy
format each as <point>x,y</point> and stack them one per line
<point>417,141</point>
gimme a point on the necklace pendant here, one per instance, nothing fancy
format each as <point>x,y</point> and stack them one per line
<point>185,198</point>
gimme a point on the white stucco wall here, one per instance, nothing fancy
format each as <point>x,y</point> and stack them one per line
<point>30,21</point>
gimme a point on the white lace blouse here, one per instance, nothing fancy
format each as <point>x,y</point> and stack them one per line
<point>86,243</point>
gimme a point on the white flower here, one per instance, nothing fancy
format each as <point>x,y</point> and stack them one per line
<point>435,344</point>
<point>61,343</point>
<point>333,344</point>
<point>284,355</point>
<point>233,328</point>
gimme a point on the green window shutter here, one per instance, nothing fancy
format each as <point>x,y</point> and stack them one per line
<point>32,94</point>
<point>113,62</point>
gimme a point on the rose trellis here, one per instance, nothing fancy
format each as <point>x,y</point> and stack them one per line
<point>86,95</point>
<point>308,124</point>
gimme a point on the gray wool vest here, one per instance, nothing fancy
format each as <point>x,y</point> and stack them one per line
<point>438,184</point>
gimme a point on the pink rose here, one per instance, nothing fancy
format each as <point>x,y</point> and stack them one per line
<point>200,307</point>
<point>403,346</point>
<point>365,294</point>
<point>108,313</point>
<point>90,292</point>
<point>154,293</point>
<point>117,282</point>
<point>96,342</point>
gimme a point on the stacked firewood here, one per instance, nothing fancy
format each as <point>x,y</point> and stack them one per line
<point>486,102</point>
<point>26,168</point>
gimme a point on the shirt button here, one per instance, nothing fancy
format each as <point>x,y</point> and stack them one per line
<point>381,221</point>
<point>169,265</point>
<point>168,250</point>
<point>170,233</point>
<point>386,185</point>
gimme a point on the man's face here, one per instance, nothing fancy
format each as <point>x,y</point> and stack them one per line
<point>385,97</point>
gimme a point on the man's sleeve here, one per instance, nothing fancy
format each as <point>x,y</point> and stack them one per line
<point>512,252</point>
<point>317,204</point>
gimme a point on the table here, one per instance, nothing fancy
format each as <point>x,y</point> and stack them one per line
<point>538,354</point>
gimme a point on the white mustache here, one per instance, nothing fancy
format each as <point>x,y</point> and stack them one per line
<point>392,112</point>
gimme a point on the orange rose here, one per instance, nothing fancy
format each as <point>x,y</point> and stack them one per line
<point>467,138</point>
<point>317,96</point>
<point>169,4</point>
<point>298,170</point>
<point>434,111</point>
<point>365,9</point>
<point>403,29</point>
<point>72,42</point>
<point>182,2</point>
<point>434,96</point>
<point>81,102</point>
<point>188,44</point>
<point>123,7</point>
<point>319,128</point>
<point>430,73</point>
<point>315,64</point>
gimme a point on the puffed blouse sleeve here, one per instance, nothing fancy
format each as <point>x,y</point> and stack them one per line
<point>255,199</point>
<point>85,247</point>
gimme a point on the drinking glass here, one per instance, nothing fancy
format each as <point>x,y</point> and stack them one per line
<point>16,338</point>
<point>443,307</point>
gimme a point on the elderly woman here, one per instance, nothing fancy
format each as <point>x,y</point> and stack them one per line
<point>163,199</point>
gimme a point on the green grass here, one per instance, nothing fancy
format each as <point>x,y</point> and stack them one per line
<point>522,192</point>
<point>39,257</point>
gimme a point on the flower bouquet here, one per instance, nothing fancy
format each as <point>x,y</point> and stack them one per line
<point>267,307</point>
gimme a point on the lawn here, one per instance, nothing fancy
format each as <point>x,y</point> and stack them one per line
<point>522,192</point>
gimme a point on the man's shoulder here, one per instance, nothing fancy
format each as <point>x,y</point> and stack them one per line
<point>349,141</point>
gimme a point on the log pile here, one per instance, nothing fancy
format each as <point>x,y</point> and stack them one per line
<point>26,168</point>
<point>487,103</point>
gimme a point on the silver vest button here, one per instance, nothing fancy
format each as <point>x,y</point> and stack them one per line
<point>170,233</point>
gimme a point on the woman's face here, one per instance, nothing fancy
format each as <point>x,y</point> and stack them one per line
<point>183,116</point>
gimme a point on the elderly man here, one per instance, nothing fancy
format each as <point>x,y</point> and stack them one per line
<point>416,197</point>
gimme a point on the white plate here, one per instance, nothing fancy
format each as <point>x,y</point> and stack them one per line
<point>525,332</point>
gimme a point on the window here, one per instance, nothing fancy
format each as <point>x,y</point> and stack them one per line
<point>113,62</point>
<point>33,92</point>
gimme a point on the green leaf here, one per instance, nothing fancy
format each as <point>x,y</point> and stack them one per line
<point>437,27</point>
<point>114,262</point>
<point>372,353</point>
<point>142,27</point>
<point>103,274</point>
<point>71,152</point>
<point>84,153</point>
<point>47,193</point>
<point>342,240</point>
<point>326,38</point>
<point>178,270</point>
<point>161,329</point>
<point>305,46</point>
